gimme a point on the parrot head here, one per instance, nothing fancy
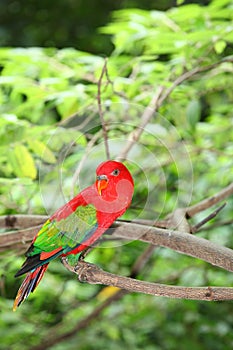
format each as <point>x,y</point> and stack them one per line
<point>112,177</point>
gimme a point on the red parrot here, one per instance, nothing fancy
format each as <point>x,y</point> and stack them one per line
<point>77,224</point>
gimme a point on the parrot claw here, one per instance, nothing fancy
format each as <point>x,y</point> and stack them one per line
<point>84,253</point>
<point>64,260</point>
<point>84,270</point>
<point>65,263</point>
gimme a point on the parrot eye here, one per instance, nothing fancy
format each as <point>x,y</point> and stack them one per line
<point>116,172</point>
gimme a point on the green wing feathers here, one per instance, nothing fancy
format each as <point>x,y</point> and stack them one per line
<point>56,238</point>
<point>67,232</point>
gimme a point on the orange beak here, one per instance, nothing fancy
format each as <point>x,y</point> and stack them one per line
<point>101,183</point>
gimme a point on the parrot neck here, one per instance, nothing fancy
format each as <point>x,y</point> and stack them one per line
<point>109,194</point>
<point>113,199</point>
<point>121,194</point>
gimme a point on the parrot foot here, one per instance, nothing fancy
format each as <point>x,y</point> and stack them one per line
<point>65,263</point>
<point>86,271</point>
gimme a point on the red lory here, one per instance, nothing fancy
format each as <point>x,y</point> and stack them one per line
<point>77,224</point>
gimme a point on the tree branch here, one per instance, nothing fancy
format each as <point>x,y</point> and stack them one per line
<point>17,239</point>
<point>181,242</point>
<point>209,202</point>
<point>146,116</point>
<point>160,96</point>
<point>94,275</point>
<point>21,221</point>
<point>189,74</point>
<point>54,337</point>
<point>178,220</point>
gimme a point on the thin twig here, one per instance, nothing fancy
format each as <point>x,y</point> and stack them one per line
<point>217,224</point>
<point>212,215</point>
<point>189,74</point>
<point>101,114</point>
<point>209,202</point>
<point>109,81</point>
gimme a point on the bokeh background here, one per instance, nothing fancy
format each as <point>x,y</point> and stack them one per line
<point>51,57</point>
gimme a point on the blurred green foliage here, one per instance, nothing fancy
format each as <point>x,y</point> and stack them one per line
<point>65,24</point>
<point>49,116</point>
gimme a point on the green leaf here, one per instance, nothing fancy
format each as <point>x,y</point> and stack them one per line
<point>11,129</point>
<point>220,46</point>
<point>41,150</point>
<point>179,2</point>
<point>22,162</point>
